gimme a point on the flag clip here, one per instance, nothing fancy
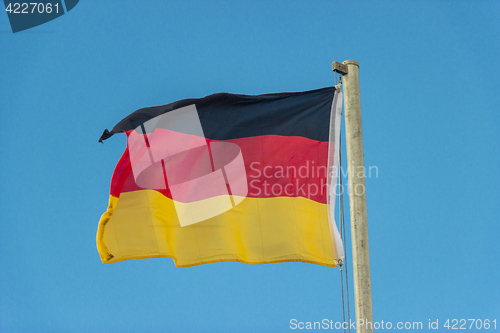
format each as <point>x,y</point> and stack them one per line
<point>339,84</point>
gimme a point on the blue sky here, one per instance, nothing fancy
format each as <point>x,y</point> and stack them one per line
<point>429,74</point>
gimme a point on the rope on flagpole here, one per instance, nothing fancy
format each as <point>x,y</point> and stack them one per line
<point>342,235</point>
<point>342,287</point>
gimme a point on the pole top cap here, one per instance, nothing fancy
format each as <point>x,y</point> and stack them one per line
<point>351,62</point>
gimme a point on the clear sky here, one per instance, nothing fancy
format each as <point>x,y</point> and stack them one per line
<point>429,73</point>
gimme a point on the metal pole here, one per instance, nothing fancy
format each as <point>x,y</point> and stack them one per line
<point>357,198</point>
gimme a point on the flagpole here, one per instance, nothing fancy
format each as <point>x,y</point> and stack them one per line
<point>349,69</point>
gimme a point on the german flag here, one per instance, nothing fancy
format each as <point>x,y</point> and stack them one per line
<point>227,178</point>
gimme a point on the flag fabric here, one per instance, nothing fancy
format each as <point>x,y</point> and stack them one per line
<point>227,177</point>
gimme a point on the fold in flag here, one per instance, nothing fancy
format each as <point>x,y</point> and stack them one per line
<point>227,177</point>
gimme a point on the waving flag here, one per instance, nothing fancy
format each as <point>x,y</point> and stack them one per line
<point>227,178</point>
